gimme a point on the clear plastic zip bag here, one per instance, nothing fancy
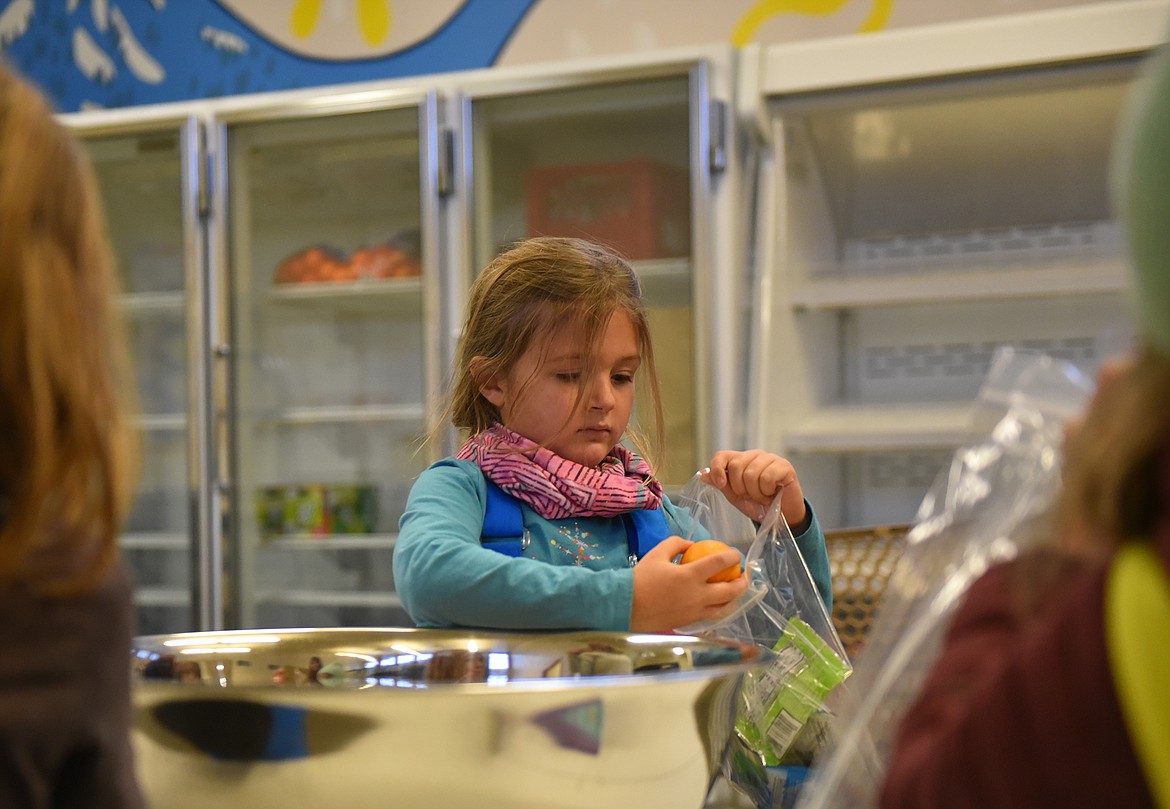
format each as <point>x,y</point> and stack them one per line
<point>782,718</point>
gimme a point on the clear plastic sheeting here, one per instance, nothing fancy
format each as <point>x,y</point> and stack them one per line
<point>992,501</point>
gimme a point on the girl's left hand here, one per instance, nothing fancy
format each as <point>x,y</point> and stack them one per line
<point>749,480</point>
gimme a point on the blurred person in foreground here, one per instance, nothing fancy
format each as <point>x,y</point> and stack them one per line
<point>1053,685</point>
<point>66,458</point>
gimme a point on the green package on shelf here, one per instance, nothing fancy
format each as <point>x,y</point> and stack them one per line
<point>316,510</point>
<point>352,509</point>
<point>291,511</point>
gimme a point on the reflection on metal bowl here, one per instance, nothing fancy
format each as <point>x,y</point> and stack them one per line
<point>451,718</point>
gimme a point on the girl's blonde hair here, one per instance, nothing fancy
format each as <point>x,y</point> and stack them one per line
<point>531,291</point>
<point>66,452</point>
<point>1112,469</point>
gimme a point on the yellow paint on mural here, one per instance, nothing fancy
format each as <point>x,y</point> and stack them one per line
<point>374,19</point>
<point>304,16</point>
<point>879,15</point>
<point>763,10</point>
<point>373,16</point>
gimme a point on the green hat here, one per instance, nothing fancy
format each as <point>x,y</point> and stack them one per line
<point>1141,174</point>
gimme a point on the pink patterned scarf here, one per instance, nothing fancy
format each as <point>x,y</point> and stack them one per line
<point>556,488</point>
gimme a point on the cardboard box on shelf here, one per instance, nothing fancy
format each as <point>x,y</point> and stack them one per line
<point>640,207</point>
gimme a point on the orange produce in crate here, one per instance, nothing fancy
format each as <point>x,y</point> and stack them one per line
<point>379,262</point>
<point>706,547</point>
<point>312,265</point>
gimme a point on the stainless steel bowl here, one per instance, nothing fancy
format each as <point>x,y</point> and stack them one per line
<point>428,718</point>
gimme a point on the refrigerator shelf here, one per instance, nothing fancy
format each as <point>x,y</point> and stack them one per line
<point>328,598</point>
<point>981,284</point>
<point>866,428</point>
<point>394,295</point>
<point>154,541</point>
<point>161,422</point>
<point>1021,245</point>
<point>333,542</point>
<point>163,596</point>
<point>151,302</point>
<point>353,414</point>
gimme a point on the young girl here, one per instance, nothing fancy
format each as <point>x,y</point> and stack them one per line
<point>65,478</point>
<point>555,336</point>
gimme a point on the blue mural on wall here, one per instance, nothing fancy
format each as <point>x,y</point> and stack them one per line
<point>117,53</point>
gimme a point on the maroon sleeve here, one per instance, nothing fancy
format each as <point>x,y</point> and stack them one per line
<point>928,749</point>
<point>1019,709</point>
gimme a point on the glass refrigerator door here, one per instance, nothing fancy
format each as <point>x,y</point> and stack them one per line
<point>332,248</point>
<point>922,227</point>
<point>152,225</point>
<point>618,160</point>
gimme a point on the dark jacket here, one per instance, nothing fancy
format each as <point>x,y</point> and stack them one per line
<point>65,699</point>
<point>1020,709</point>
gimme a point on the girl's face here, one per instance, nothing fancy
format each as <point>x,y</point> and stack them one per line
<point>537,397</point>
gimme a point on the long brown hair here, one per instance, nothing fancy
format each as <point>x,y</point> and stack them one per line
<point>1112,469</point>
<point>66,452</point>
<point>529,292</point>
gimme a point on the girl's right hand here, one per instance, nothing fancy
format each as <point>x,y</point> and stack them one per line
<point>667,595</point>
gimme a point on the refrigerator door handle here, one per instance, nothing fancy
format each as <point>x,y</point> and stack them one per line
<point>717,147</point>
<point>446,160</point>
<point>204,285</point>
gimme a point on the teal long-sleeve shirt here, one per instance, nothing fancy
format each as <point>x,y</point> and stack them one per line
<point>574,574</point>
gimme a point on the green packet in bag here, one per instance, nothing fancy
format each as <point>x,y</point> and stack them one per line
<point>784,701</point>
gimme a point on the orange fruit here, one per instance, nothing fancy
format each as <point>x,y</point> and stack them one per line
<point>706,547</point>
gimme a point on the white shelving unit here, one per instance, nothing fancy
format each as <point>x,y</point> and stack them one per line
<point>932,194</point>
